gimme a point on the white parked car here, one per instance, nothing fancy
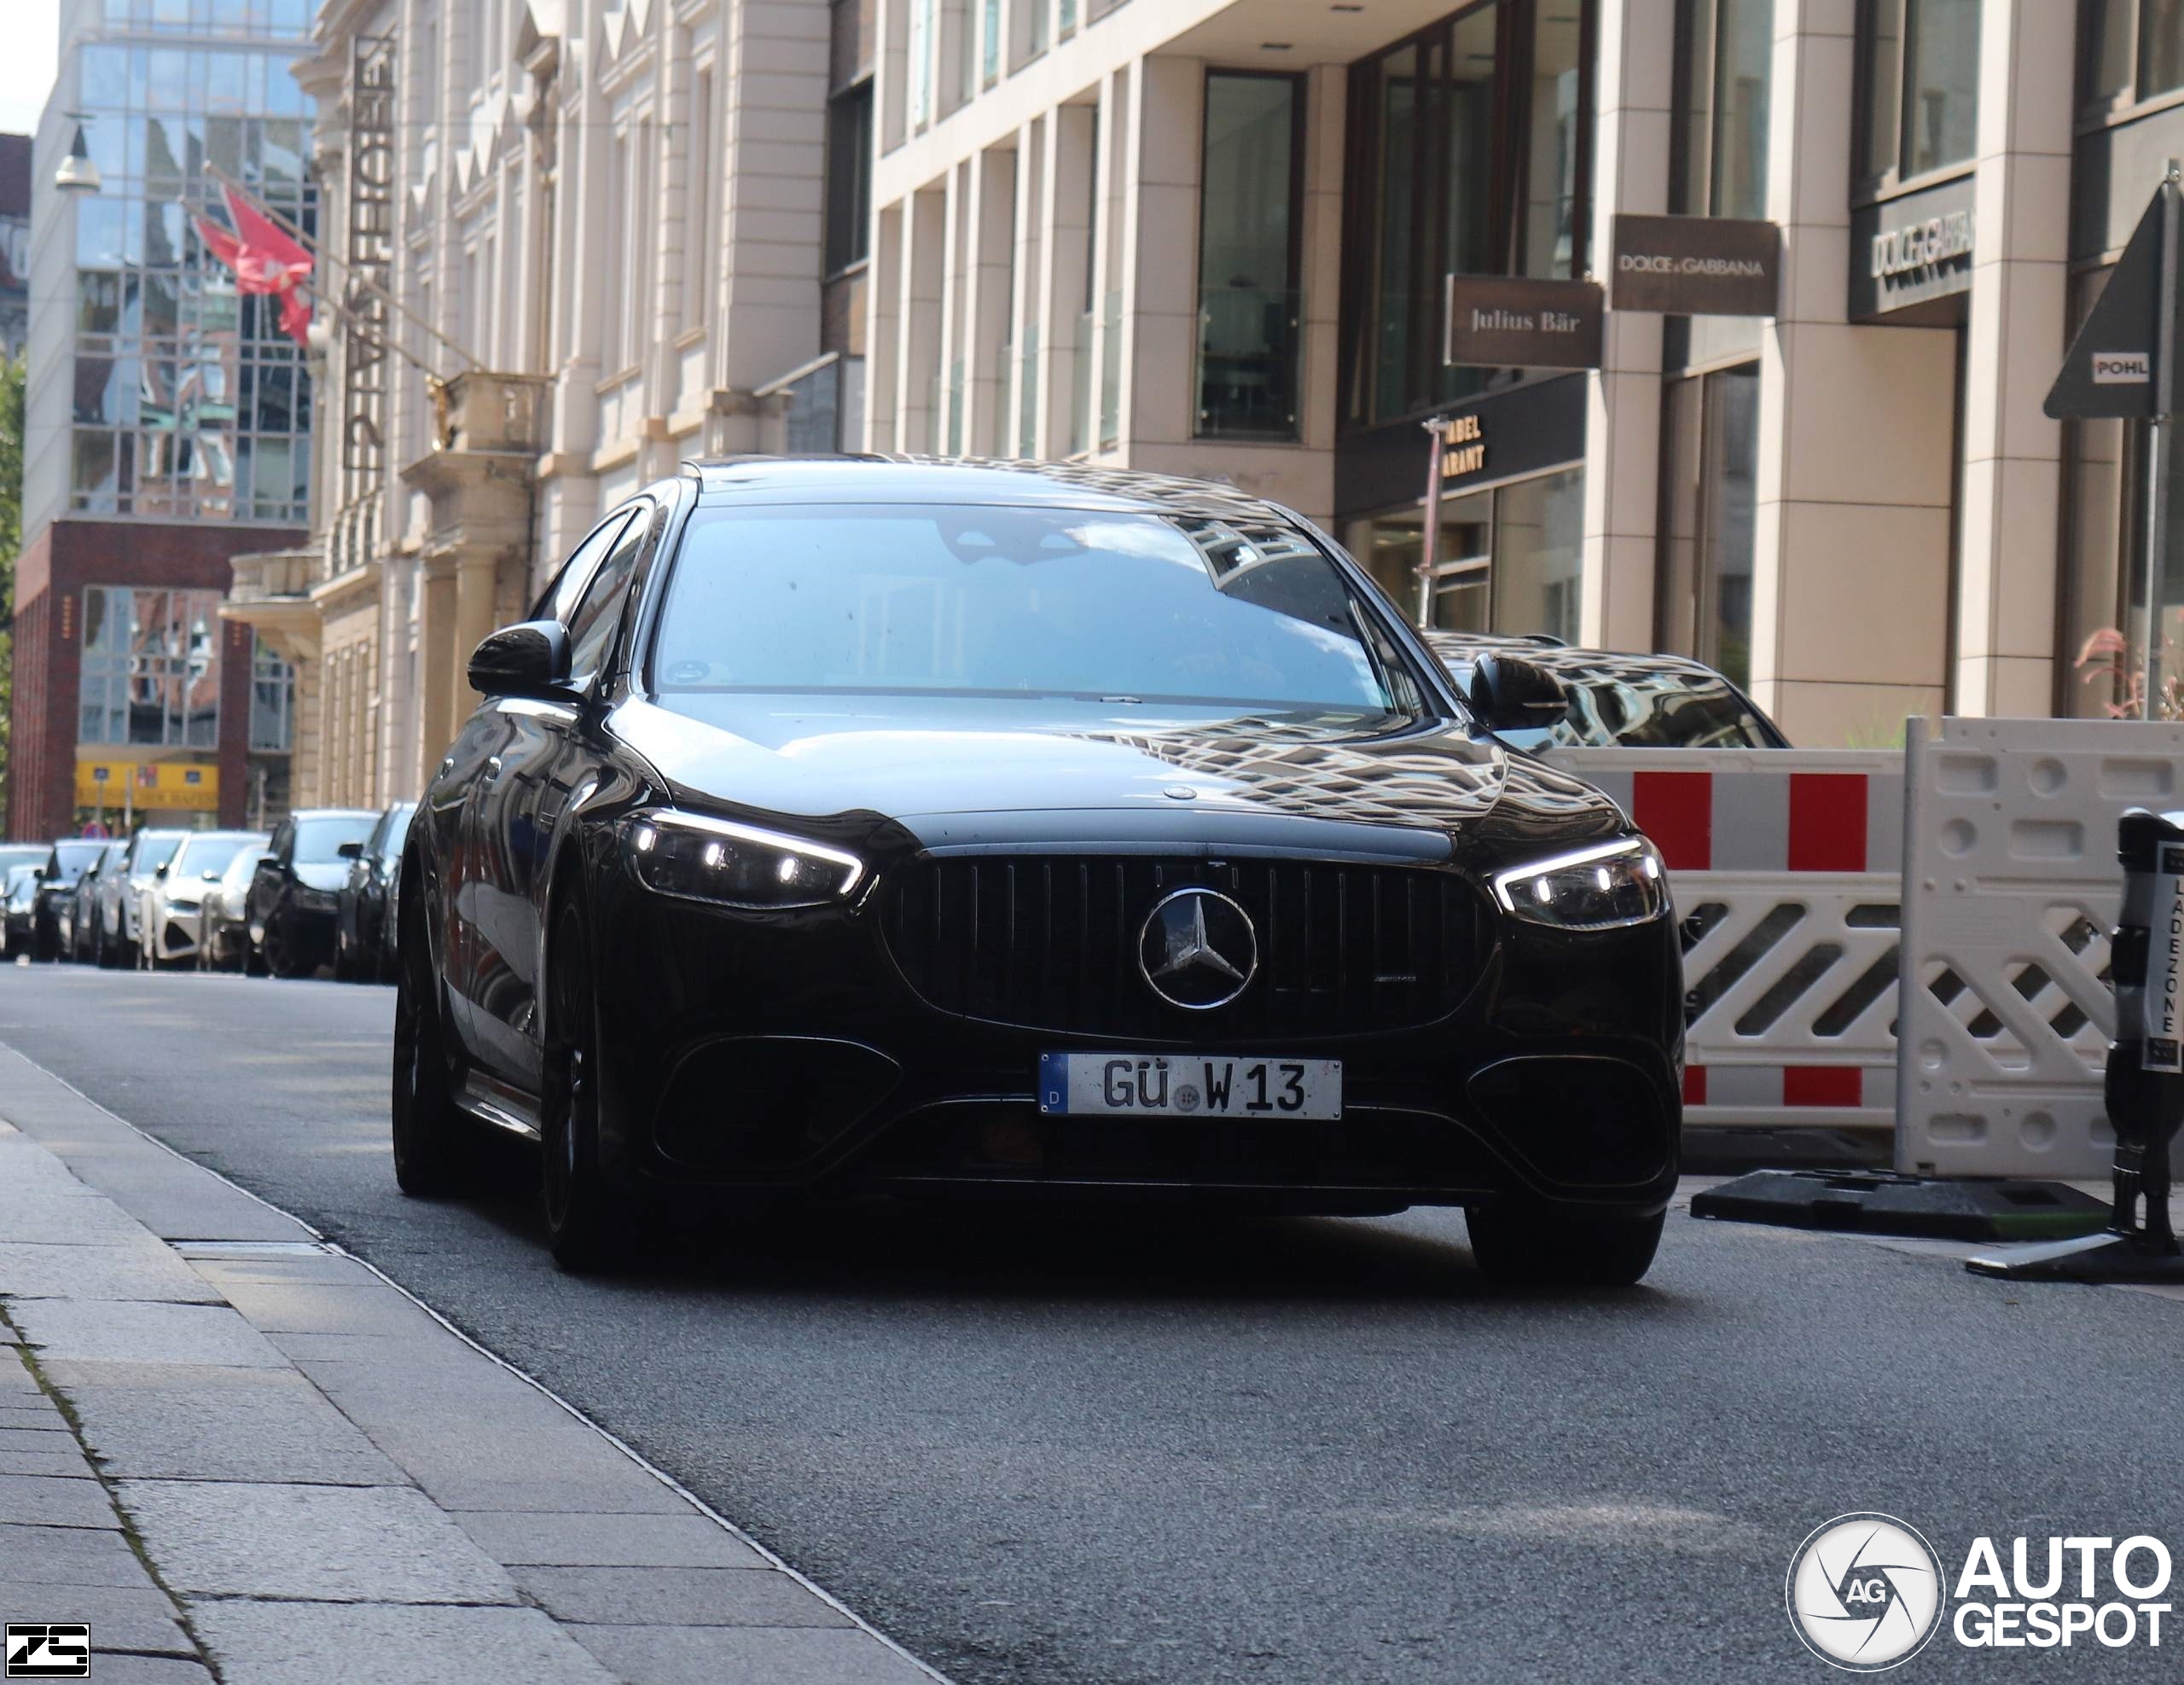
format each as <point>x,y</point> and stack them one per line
<point>170,911</point>
<point>225,941</point>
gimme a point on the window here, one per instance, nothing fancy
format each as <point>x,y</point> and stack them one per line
<point>1919,89</point>
<point>1507,560</point>
<point>272,700</point>
<point>1725,67</point>
<point>1249,308</point>
<point>2132,50</point>
<point>1710,499</point>
<point>1469,154</point>
<point>151,667</point>
<point>599,613</point>
<point>849,177</point>
<point>560,602</point>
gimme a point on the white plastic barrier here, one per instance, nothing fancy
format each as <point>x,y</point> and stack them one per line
<point>2013,890</point>
<point>1785,865</point>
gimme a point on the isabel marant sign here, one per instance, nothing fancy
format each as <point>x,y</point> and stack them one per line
<point>1695,266</point>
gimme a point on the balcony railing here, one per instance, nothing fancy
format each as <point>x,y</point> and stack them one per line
<point>1248,344</point>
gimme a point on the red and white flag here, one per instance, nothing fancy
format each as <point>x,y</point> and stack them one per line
<point>265,259</point>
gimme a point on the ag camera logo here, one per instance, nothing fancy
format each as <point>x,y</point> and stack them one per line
<point>1865,1591</point>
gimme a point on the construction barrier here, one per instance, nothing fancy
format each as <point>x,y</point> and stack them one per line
<point>1784,865</point>
<point>2011,890</point>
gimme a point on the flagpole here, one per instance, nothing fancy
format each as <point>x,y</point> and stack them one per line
<point>320,251</point>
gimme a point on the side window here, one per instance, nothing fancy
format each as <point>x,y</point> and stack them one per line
<point>562,596</point>
<point>600,612</point>
<point>283,839</point>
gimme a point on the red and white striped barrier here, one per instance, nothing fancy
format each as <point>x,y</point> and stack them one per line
<point>1785,866</point>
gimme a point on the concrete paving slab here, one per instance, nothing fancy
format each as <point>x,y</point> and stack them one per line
<point>41,1500</point>
<point>532,1539</point>
<point>28,1429</point>
<point>67,1465</point>
<point>192,1421</point>
<point>64,1556</point>
<point>371,1307</point>
<point>387,1544</point>
<point>686,1655</point>
<point>140,1268</point>
<point>40,1212</point>
<point>104,1331</point>
<point>285,1643</point>
<point>146,1669</point>
<point>121,1618</point>
<point>331,1267</point>
<point>677,1597</point>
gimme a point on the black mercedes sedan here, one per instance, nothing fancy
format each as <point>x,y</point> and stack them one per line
<point>979,830</point>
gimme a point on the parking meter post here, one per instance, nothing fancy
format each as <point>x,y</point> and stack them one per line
<point>2143,1087</point>
<point>1429,549</point>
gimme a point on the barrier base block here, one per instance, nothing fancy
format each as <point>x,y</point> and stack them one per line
<point>2096,1258</point>
<point>1884,1202</point>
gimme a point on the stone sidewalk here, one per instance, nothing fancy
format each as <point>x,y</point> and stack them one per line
<point>239,1453</point>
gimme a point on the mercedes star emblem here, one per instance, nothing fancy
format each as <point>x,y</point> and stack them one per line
<point>1197,950</point>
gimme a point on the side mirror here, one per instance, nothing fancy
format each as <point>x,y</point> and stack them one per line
<point>210,875</point>
<point>350,851</point>
<point>528,659</point>
<point>159,871</point>
<point>1510,693</point>
<point>265,860</point>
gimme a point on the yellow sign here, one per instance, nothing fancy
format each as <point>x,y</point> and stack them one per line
<point>120,785</point>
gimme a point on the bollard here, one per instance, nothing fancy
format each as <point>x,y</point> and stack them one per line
<point>2143,1085</point>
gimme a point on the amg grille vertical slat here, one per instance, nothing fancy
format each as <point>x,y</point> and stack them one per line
<point>1054,943</point>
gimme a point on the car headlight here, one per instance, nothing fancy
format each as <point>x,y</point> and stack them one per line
<point>1601,888</point>
<point>696,857</point>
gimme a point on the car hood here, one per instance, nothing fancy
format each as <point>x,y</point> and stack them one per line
<point>313,875</point>
<point>967,771</point>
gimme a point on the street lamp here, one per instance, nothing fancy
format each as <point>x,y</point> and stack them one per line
<point>77,173</point>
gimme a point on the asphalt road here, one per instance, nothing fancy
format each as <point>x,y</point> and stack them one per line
<point>1121,1451</point>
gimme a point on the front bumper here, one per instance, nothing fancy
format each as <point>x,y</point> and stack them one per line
<point>786,1053</point>
<point>180,934</point>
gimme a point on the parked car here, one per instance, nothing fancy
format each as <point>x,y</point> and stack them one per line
<point>971,831</point>
<point>83,905</point>
<point>1620,701</point>
<point>18,908</point>
<point>364,942</point>
<point>65,862</point>
<point>225,945</point>
<point>296,891</point>
<point>13,855</point>
<point>121,891</point>
<point>169,923</point>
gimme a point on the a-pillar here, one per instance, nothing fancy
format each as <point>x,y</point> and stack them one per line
<point>2009,518</point>
<point>1851,531</point>
<point>1623,410</point>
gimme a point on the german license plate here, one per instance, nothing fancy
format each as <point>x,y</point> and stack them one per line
<point>1194,1085</point>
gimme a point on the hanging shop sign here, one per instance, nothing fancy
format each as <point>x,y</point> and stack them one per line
<point>1695,266</point>
<point>371,262</point>
<point>1510,322</point>
<point>1914,251</point>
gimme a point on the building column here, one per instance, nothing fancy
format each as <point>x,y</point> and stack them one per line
<point>986,312</point>
<point>1623,409</point>
<point>2009,519</point>
<point>1850,543</point>
<point>437,641</point>
<point>1064,261</point>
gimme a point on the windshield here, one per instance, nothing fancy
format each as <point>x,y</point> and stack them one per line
<point>237,877</point>
<point>318,841</point>
<point>153,851</point>
<point>22,880</point>
<point>1654,711</point>
<point>994,601</point>
<point>393,829</point>
<point>71,857</point>
<point>22,854</point>
<point>208,857</point>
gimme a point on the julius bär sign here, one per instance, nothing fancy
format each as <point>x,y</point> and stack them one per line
<point>1510,322</point>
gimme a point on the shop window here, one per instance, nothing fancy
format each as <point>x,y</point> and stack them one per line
<point>1709,450</point>
<point>1918,89</point>
<point>1508,559</point>
<point>1469,154</point>
<point>1249,311</point>
<point>1724,72</point>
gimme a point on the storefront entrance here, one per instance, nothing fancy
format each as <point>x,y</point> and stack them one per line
<point>1510,558</point>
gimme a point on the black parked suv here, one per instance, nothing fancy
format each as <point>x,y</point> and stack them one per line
<point>294,894</point>
<point>56,888</point>
<point>964,830</point>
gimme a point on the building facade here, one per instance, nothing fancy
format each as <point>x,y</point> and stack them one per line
<point>565,245</point>
<point>167,423</point>
<point>1215,237</point>
<point>15,245</point>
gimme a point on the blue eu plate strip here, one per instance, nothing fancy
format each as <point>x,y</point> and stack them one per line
<point>1054,1083</point>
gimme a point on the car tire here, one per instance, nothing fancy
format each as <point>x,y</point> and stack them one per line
<point>104,949</point>
<point>274,952</point>
<point>345,964</point>
<point>590,1223</point>
<point>1521,1244</point>
<point>436,1148</point>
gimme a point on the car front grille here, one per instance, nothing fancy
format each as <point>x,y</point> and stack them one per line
<point>1051,943</point>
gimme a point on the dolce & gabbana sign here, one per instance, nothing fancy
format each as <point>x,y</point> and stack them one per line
<point>1913,250</point>
<point>1695,266</point>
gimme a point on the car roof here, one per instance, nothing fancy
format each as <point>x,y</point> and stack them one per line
<point>875,478</point>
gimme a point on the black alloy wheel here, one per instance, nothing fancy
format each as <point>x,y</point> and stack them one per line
<point>435,1146</point>
<point>589,1222</point>
<point>279,958</point>
<point>108,950</point>
<point>1519,1244</point>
